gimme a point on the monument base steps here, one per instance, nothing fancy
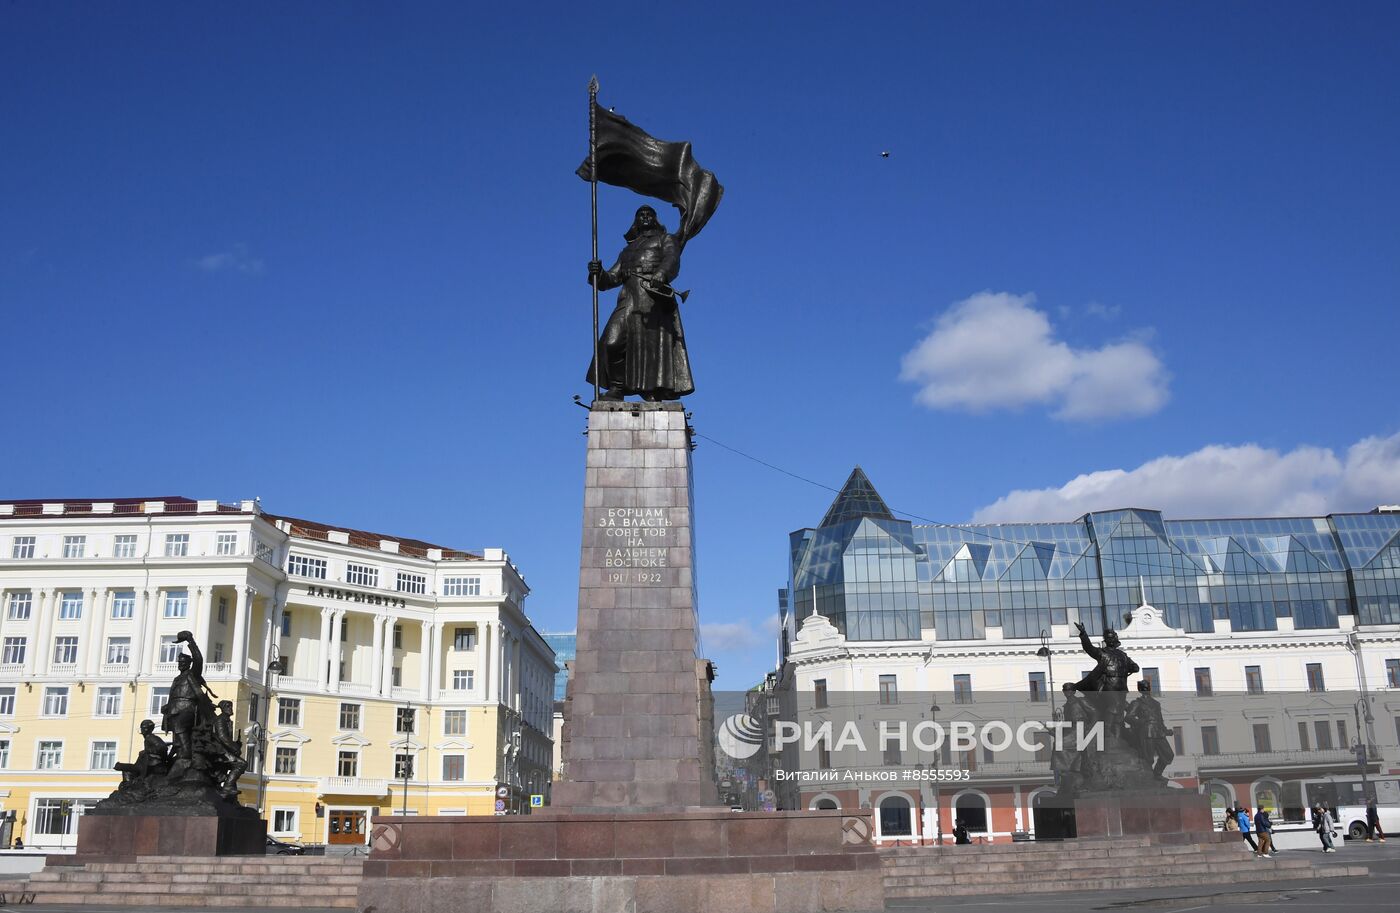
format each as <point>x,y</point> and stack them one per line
<point>920,874</point>
<point>241,883</point>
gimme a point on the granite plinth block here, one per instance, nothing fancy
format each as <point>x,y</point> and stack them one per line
<point>170,835</point>
<point>636,731</point>
<point>1127,814</point>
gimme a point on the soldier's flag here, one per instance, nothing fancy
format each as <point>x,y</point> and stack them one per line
<point>630,157</point>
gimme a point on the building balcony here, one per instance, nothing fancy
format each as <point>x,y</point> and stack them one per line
<point>355,688</point>
<point>1241,760</point>
<point>353,786</point>
<point>11,669</point>
<point>63,669</point>
<point>116,668</point>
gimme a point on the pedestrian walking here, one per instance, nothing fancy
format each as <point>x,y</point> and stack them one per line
<point>1242,822</point>
<point>1322,823</point>
<point>1373,822</point>
<point>1265,829</point>
<point>1231,824</point>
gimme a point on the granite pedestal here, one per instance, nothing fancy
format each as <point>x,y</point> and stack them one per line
<point>112,836</point>
<point>633,734</point>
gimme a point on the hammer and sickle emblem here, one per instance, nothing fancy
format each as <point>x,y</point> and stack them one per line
<point>385,837</point>
<point>855,831</point>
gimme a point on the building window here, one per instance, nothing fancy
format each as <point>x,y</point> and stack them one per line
<point>118,651</point>
<point>403,767</point>
<point>1392,672</point>
<point>823,757</point>
<point>463,679</point>
<point>1253,680</point>
<point>50,756</point>
<point>395,676</point>
<point>12,653</point>
<point>350,716</point>
<point>70,606</point>
<point>1315,682</point>
<point>4,753</point>
<point>217,656</point>
<point>74,546</point>
<point>124,546</point>
<point>104,755</point>
<point>404,719</point>
<point>177,545</point>
<point>889,690</point>
<point>19,606</point>
<point>23,547</point>
<point>1342,740</point>
<point>7,702</point>
<point>306,566</point>
<point>1210,740</point>
<point>223,610</point>
<point>398,637</point>
<point>1323,732</point>
<point>347,764</point>
<point>1262,743</point>
<point>819,693</point>
<point>893,757</point>
<point>962,689</point>
<point>1153,676</point>
<point>286,622</point>
<point>1203,685</point>
<point>463,639</point>
<point>362,575</point>
<point>65,651</point>
<point>170,649</point>
<point>159,697</point>
<point>454,767</point>
<point>1303,741</point>
<point>285,760</point>
<point>124,604</point>
<point>284,820</point>
<point>461,586</point>
<point>226,544</point>
<point>454,722</point>
<point>177,603</point>
<point>253,701</point>
<point>1037,685</point>
<point>411,583</point>
<point>289,711</point>
<point>1178,740</point>
<point>56,701</point>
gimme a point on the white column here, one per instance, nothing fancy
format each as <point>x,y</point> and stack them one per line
<point>337,625</point>
<point>272,630</point>
<point>323,656</point>
<point>425,664</point>
<point>436,690</point>
<point>43,647</point>
<point>31,655</point>
<point>201,625</point>
<point>238,650</point>
<point>377,673</point>
<point>92,609</point>
<point>488,667</point>
<point>144,632</point>
<point>386,675</point>
<point>517,667</point>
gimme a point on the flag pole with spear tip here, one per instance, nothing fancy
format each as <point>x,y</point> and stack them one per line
<point>593,186</point>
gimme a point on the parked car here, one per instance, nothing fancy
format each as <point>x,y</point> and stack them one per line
<point>283,848</point>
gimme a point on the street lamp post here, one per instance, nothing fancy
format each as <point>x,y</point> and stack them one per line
<point>1362,745</point>
<point>274,669</point>
<point>937,807</point>
<point>1045,652</point>
<point>408,727</point>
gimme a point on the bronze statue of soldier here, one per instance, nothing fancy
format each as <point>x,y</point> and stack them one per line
<point>1148,731</point>
<point>1108,680</point>
<point>641,350</point>
<point>188,702</point>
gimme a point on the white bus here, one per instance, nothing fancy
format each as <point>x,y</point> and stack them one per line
<point>1344,795</point>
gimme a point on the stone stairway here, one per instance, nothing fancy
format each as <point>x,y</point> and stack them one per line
<point>238,882</point>
<point>915,875</point>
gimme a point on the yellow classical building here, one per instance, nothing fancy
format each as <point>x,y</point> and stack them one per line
<point>369,672</point>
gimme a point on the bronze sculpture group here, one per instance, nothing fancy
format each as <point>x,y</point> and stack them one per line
<point>1135,751</point>
<point>197,771</point>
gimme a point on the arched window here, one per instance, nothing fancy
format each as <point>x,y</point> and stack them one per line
<point>896,819</point>
<point>1268,794</point>
<point>971,812</point>
<point>826,805</point>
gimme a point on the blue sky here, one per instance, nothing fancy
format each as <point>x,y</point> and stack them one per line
<point>333,255</point>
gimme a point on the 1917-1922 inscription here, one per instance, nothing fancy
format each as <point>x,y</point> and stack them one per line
<point>637,540</point>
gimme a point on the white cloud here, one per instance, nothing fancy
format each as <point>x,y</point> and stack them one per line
<point>1223,481</point>
<point>732,636</point>
<point>996,350</point>
<point>235,259</point>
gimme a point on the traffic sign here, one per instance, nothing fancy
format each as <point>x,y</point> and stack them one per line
<point>502,792</point>
<point>536,800</point>
<point>500,805</point>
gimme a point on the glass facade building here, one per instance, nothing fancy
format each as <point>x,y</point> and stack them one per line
<point>565,647</point>
<point>879,578</point>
